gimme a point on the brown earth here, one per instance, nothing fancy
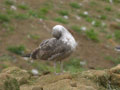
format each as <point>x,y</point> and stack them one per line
<point>91,52</point>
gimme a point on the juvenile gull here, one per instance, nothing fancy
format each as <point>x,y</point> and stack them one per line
<point>57,48</point>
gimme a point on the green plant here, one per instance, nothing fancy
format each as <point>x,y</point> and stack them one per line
<point>103,17</point>
<point>76,28</point>
<point>73,65</point>
<point>75,5</point>
<point>117,35</point>
<point>8,27</point>
<point>97,24</point>
<point>34,36</point>
<point>114,60</point>
<point>4,18</point>
<point>63,12</point>
<point>11,84</point>
<point>92,35</point>
<point>89,19</point>
<point>16,49</point>
<point>83,15</point>
<point>61,20</point>
<point>23,6</point>
<point>21,16</point>
<point>108,8</point>
<point>9,2</point>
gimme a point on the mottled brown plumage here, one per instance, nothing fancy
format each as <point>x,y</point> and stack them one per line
<point>57,48</point>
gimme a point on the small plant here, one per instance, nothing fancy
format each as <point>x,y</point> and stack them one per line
<point>117,35</point>
<point>43,11</point>
<point>4,18</point>
<point>17,49</point>
<point>83,15</point>
<point>21,16</point>
<point>114,60</point>
<point>61,20</point>
<point>8,27</point>
<point>109,36</point>
<point>73,65</point>
<point>92,35</point>
<point>89,19</point>
<point>108,8</point>
<point>34,36</point>
<point>97,23</point>
<point>103,17</point>
<point>11,84</point>
<point>75,5</point>
<point>63,13</point>
<point>9,2</point>
<point>23,6</point>
<point>76,28</point>
<point>32,13</point>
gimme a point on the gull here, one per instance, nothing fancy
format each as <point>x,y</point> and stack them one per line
<point>57,48</point>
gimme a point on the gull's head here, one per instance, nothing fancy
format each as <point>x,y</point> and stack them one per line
<point>57,31</point>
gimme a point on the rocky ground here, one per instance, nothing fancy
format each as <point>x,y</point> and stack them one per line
<point>14,78</point>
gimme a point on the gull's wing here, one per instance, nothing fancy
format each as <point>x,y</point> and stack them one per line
<point>51,49</point>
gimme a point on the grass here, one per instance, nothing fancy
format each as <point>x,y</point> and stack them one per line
<point>97,23</point>
<point>75,5</point>
<point>76,28</point>
<point>91,34</point>
<point>21,16</point>
<point>34,36</point>
<point>114,60</point>
<point>4,18</point>
<point>73,65</point>
<point>19,50</point>
<point>9,2</point>
<point>8,27</point>
<point>63,12</point>
<point>103,17</point>
<point>23,6</point>
<point>117,35</point>
<point>61,20</point>
<point>83,15</point>
<point>108,8</point>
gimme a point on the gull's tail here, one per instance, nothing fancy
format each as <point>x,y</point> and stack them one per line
<point>32,55</point>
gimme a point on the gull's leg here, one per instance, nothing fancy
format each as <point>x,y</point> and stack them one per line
<point>55,67</point>
<point>61,66</point>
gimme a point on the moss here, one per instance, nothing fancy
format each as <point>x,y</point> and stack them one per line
<point>11,84</point>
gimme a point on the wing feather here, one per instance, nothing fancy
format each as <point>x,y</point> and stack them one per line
<point>52,49</point>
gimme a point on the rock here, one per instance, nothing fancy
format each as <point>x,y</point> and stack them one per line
<point>20,75</point>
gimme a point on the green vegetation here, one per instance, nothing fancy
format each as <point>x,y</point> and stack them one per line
<point>103,17</point>
<point>11,84</point>
<point>34,36</point>
<point>21,16</point>
<point>83,15</point>
<point>4,18</point>
<point>61,20</point>
<point>108,8</point>
<point>16,49</point>
<point>23,6</point>
<point>117,35</point>
<point>91,34</point>
<point>73,65</point>
<point>114,60</point>
<point>76,28</point>
<point>75,5</point>
<point>9,2</point>
<point>63,12</point>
